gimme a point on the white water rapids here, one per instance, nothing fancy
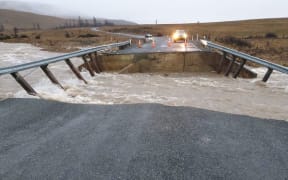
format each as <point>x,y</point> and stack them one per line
<point>203,90</point>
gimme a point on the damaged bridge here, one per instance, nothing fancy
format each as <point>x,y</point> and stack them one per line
<point>42,139</point>
<point>152,57</point>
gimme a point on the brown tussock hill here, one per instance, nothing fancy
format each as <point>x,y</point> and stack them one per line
<point>264,38</point>
<point>26,20</point>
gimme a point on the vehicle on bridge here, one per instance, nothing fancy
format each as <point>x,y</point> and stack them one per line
<point>179,35</point>
<point>148,37</point>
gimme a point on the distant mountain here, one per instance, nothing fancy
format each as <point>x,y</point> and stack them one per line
<point>25,20</point>
<point>37,8</point>
<point>27,14</point>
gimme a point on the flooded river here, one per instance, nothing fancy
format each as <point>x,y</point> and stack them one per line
<point>203,90</point>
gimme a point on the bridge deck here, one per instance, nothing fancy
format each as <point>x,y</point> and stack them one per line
<point>160,45</point>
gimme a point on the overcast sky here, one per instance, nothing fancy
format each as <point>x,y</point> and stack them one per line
<point>177,11</point>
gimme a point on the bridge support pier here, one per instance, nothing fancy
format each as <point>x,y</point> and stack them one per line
<point>49,74</point>
<point>220,66</point>
<point>240,68</point>
<point>75,71</point>
<point>230,65</point>
<point>24,84</point>
<point>267,75</point>
<point>88,66</point>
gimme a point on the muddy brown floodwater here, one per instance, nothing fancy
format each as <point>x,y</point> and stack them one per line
<point>203,90</point>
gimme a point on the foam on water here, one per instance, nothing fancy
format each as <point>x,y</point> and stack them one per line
<point>276,81</point>
<point>231,96</point>
<point>13,54</point>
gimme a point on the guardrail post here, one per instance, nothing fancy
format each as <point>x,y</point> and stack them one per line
<point>24,84</point>
<point>220,66</point>
<point>101,68</point>
<point>75,71</point>
<point>267,75</point>
<point>95,64</point>
<point>88,66</point>
<point>239,69</point>
<point>269,65</point>
<point>230,65</point>
<point>50,75</point>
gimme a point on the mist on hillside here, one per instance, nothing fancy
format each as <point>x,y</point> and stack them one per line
<point>38,8</point>
<point>60,16</point>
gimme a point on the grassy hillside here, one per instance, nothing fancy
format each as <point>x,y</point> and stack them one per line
<point>25,20</point>
<point>61,40</point>
<point>235,28</point>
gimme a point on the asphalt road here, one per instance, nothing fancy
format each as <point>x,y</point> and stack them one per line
<point>120,34</point>
<point>161,44</point>
<point>51,140</point>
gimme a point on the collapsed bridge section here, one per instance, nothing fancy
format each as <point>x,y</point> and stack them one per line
<point>164,62</point>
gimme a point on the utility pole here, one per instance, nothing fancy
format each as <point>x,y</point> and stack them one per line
<point>94,22</point>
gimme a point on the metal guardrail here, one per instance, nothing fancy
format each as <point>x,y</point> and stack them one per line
<point>246,57</point>
<point>22,67</point>
<point>92,65</point>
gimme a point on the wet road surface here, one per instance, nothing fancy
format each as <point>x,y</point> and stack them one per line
<point>51,140</point>
<point>161,44</point>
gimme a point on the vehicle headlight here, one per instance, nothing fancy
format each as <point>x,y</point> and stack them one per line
<point>175,36</point>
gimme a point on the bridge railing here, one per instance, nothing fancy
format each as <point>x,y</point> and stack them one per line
<point>93,65</point>
<point>245,57</point>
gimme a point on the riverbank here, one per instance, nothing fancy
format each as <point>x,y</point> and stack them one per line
<point>61,40</point>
